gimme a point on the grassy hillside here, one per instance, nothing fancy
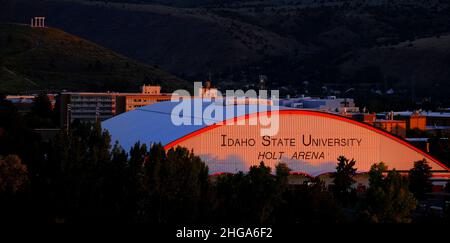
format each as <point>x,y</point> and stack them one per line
<point>422,64</point>
<point>187,42</point>
<point>51,59</point>
<point>290,41</point>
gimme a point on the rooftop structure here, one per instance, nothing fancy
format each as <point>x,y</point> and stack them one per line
<point>38,22</point>
<point>208,91</point>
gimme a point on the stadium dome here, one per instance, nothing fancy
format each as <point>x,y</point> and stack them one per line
<point>309,142</point>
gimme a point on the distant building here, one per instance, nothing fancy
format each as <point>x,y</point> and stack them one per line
<point>130,101</point>
<point>93,106</point>
<point>433,120</point>
<point>328,104</point>
<point>417,121</point>
<point>365,117</point>
<point>87,107</point>
<point>23,103</point>
<point>152,90</point>
<point>397,127</point>
<point>401,122</point>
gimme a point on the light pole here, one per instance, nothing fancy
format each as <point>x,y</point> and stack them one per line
<point>345,99</point>
<point>97,112</point>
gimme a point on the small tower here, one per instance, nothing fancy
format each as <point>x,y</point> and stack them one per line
<point>208,91</point>
<point>262,82</point>
<point>208,84</point>
<point>38,22</point>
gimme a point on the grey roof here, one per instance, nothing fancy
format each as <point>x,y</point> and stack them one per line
<point>424,113</point>
<point>153,124</point>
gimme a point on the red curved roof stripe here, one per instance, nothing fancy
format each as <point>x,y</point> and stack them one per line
<point>310,113</point>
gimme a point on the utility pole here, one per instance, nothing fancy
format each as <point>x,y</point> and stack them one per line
<point>69,109</point>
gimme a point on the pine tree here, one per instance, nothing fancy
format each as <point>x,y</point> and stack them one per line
<point>419,179</point>
<point>343,179</point>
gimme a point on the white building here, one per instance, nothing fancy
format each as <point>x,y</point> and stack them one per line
<point>328,104</point>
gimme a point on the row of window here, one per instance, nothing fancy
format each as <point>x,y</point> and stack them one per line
<point>90,114</point>
<point>90,98</point>
<point>149,100</point>
<point>83,104</point>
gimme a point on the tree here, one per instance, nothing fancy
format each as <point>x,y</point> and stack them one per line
<point>13,174</point>
<point>228,198</point>
<point>419,179</point>
<point>254,197</point>
<point>308,203</point>
<point>176,186</point>
<point>79,161</point>
<point>14,200</point>
<point>42,106</point>
<point>115,201</point>
<point>263,188</point>
<point>376,174</point>
<point>282,173</point>
<point>343,179</point>
<point>388,199</point>
<point>41,114</point>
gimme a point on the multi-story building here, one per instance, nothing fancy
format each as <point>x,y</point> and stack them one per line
<point>397,127</point>
<point>432,119</point>
<point>91,106</point>
<point>369,118</point>
<point>393,122</point>
<point>128,102</point>
<point>416,121</point>
<point>87,107</point>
